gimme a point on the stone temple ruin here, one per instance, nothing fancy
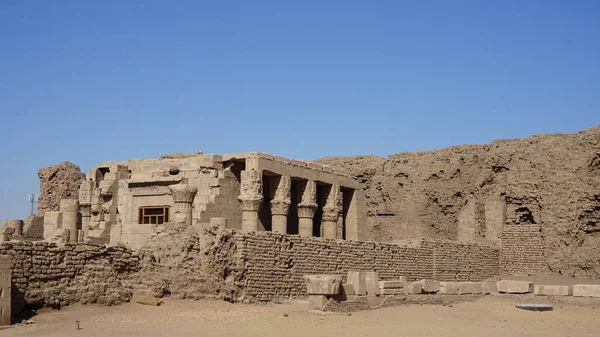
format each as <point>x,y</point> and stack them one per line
<point>121,202</point>
<point>249,227</point>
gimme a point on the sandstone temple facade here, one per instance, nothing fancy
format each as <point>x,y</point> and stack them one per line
<point>120,203</point>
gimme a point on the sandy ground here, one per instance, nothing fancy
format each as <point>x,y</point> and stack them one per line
<point>488,316</point>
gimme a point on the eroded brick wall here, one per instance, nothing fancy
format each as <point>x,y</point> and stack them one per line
<point>275,264</point>
<point>47,274</point>
<point>522,249</point>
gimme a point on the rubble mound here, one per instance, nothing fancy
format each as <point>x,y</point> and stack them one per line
<point>58,182</point>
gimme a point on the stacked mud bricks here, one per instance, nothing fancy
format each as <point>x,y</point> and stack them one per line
<point>45,273</point>
<point>522,249</point>
<point>275,264</point>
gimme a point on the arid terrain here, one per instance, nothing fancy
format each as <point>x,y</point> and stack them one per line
<point>490,316</point>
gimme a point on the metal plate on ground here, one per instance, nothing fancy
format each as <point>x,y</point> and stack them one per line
<point>535,307</point>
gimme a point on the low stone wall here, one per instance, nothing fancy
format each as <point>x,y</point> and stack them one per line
<point>275,264</point>
<point>51,275</point>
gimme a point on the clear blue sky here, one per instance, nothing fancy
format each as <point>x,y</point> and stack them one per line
<point>90,81</point>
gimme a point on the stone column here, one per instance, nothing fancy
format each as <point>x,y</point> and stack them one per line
<point>85,205</point>
<point>331,213</point>
<point>183,197</point>
<point>70,214</point>
<point>306,209</point>
<point>250,198</point>
<point>280,205</point>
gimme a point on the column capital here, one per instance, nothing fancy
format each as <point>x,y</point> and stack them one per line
<point>250,203</point>
<point>307,210</point>
<point>280,207</point>
<point>183,193</point>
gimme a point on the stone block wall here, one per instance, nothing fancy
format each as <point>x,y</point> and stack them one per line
<point>51,275</point>
<point>275,264</point>
<point>522,250</point>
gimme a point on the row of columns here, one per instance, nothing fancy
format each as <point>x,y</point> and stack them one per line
<point>251,198</point>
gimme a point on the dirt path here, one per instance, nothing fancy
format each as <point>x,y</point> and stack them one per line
<point>490,316</point>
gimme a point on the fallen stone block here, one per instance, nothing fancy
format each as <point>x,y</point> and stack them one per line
<point>323,284</point>
<point>514,287</point>
<point>448,288</point>
<point>317,302</point>
<point>586,290</point>
<point>398,291</point>
<point>357,279</point>
<point>429,286</point>
<point>371,283</point>
<point>552,290</point>
<point>391,285</point>
<point>468,288</point>
<point>348,289</point>
<point>412,288</point>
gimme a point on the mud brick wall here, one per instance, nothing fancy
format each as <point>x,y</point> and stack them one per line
<point>275,264</point>
<point>460,261</point>
<point>51,275</point>
<point>522,250</point>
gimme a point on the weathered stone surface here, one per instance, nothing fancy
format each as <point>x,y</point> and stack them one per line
<point>58,182</point>
<point>413,288</point>
<point>372,283</point>
<point>552,290</point>
<point>514,287</point>
<point>449,288</point>
<point>348,289</point>
<point>317,302</point>
<point>429,286</point>
<point>391,284</point>
<point>586,290</point>
<point>323,284</point>
<point>510,192</point>
<point>467,288</point>
<point>395,291</point>
<point>358,280</point>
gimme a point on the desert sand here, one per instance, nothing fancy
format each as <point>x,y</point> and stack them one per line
<point>489,316</point>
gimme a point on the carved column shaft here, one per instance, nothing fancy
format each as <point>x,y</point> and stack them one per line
<point>183,197</point>
<point>280,205</point>
<point>70,213</point>
<point>250,198</point>
<point>331,213</point>
<point>307,208</point>
<point>86,216</point>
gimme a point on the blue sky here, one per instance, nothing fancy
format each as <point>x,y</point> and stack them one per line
<point>90,81</point>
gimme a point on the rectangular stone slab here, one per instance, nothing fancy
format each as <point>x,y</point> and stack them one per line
<point>514,287</point>
<point>586,290</point>
<point>391,284</point>
<point>429,286</point>
<point>448,288</point>
<point>357,278</point>
<point>412,288</point>
<point>552,290</point>
<point>372,283</point>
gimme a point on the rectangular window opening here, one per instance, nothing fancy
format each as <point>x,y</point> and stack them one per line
<point>155,215</point>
